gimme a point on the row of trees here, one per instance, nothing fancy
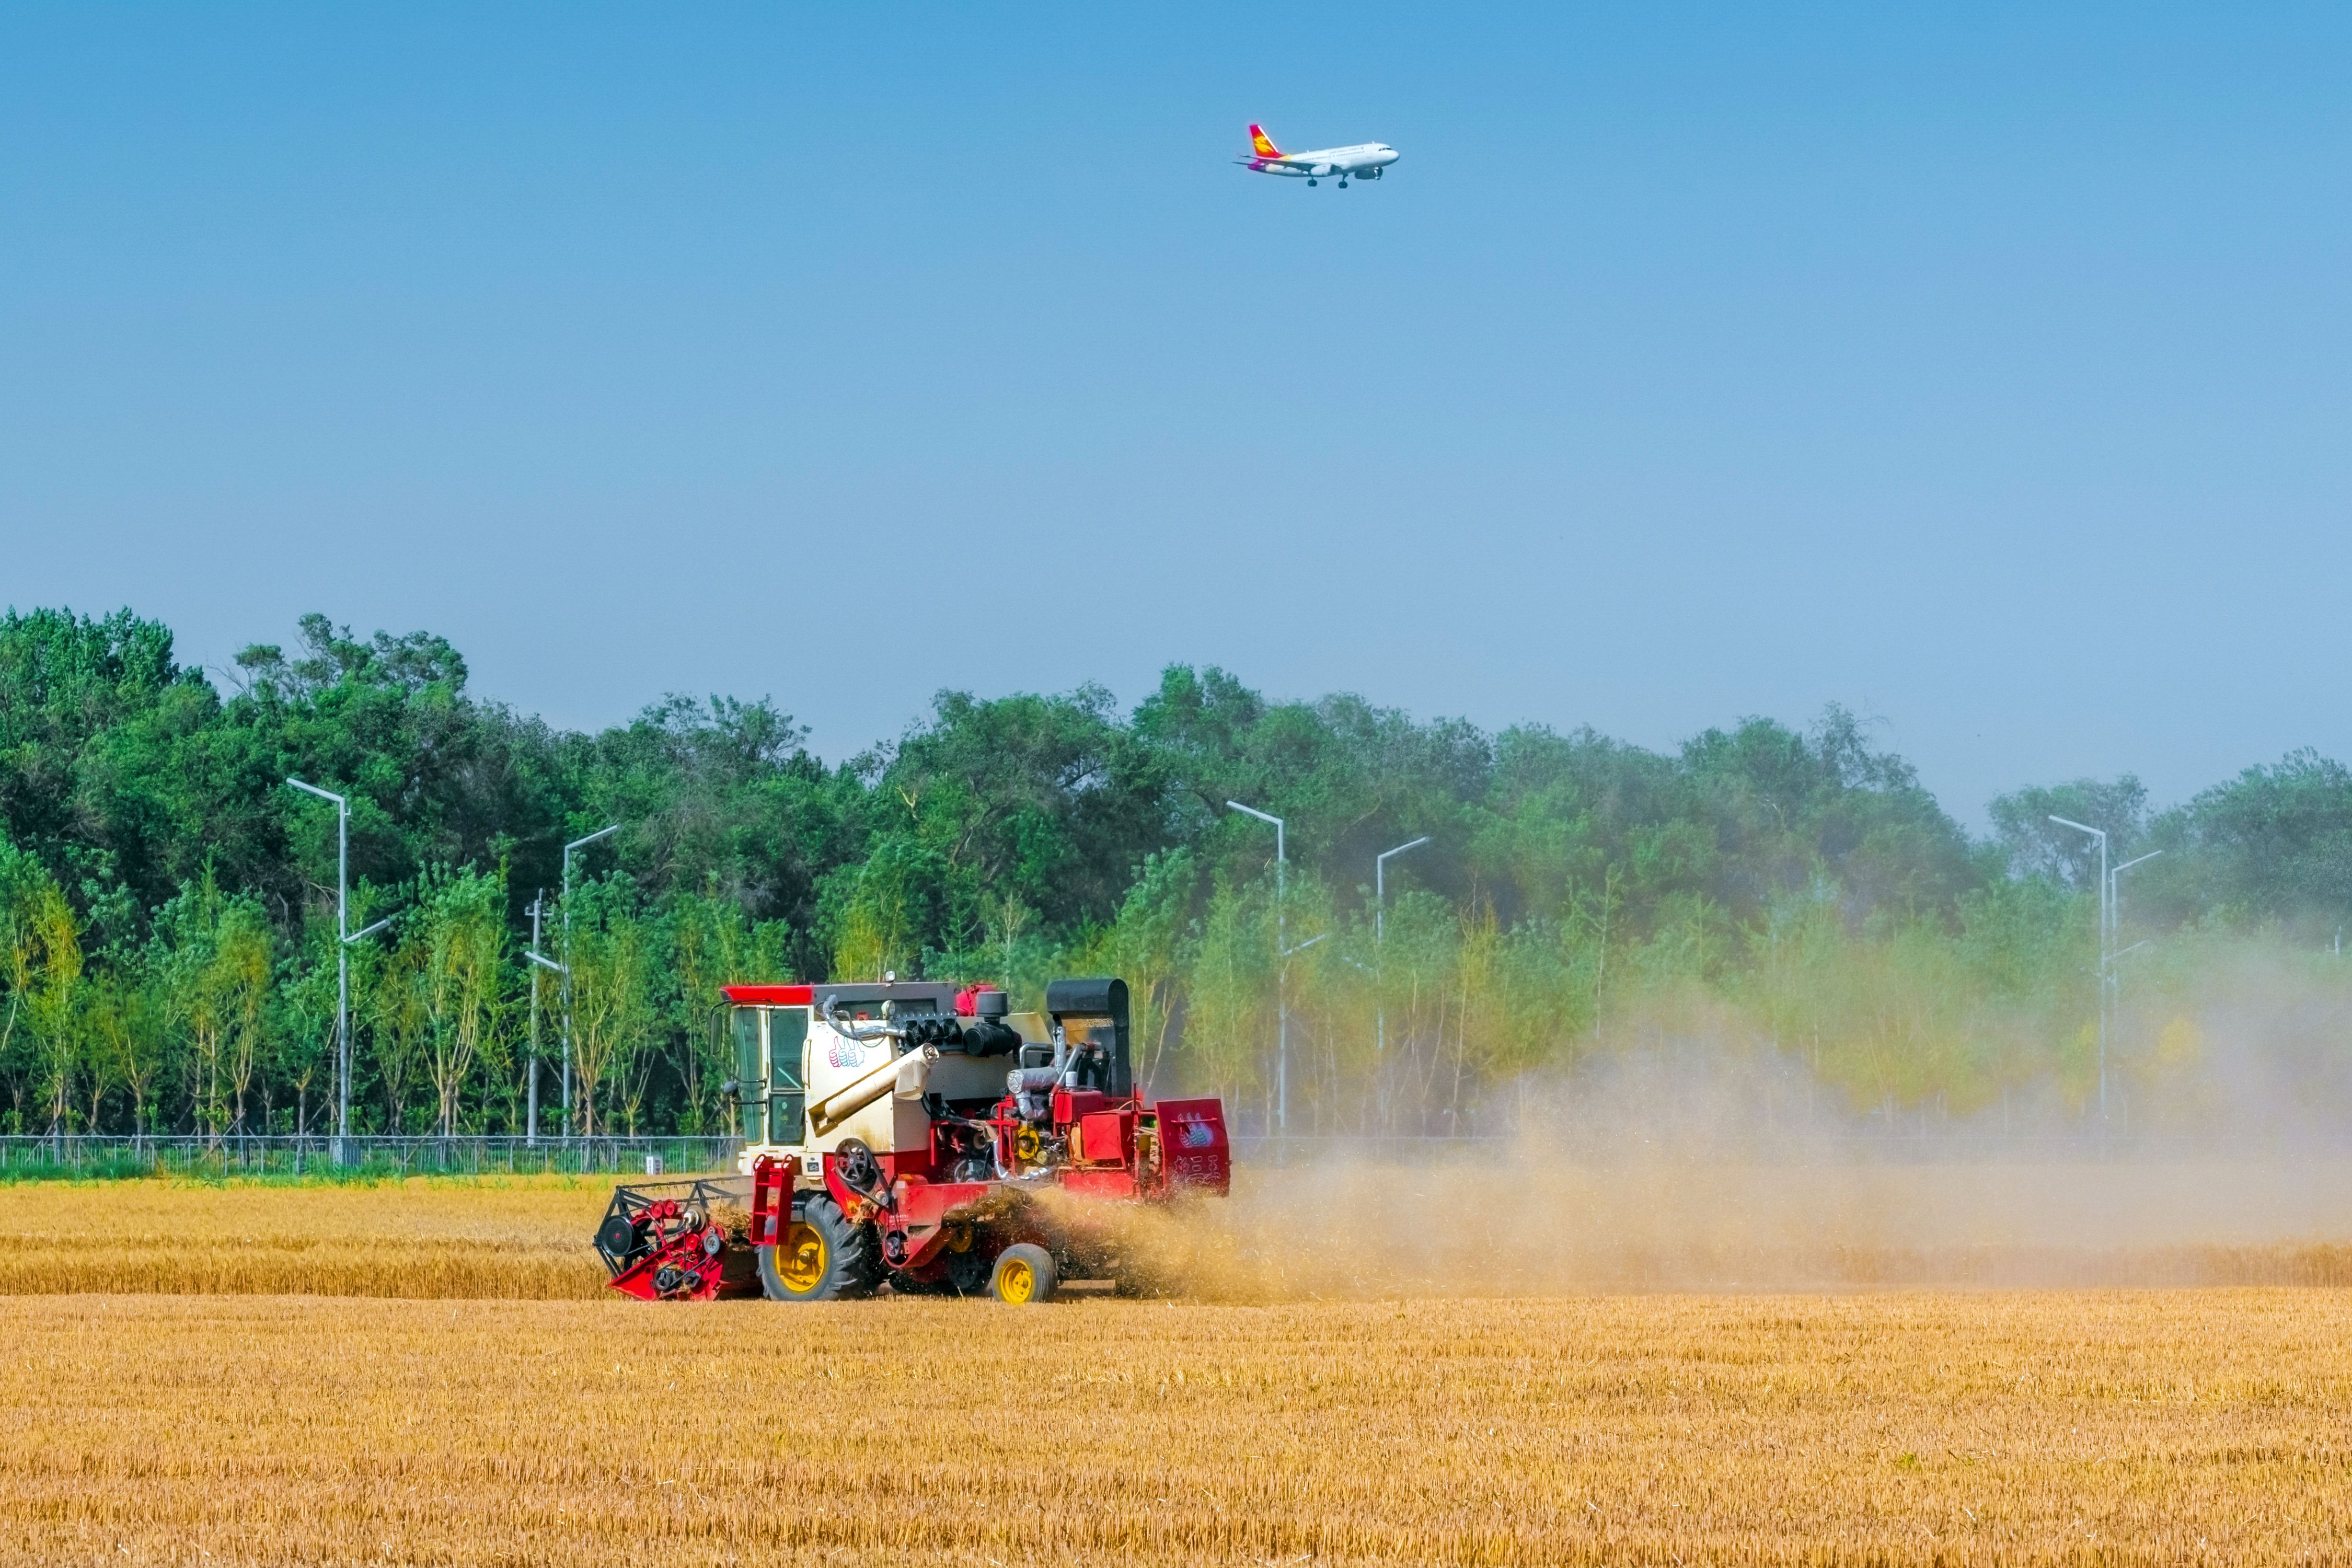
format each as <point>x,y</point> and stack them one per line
<point>166,903</point>
<point>216,1023</point>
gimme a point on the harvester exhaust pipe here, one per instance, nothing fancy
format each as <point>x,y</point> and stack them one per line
<point>1102,997</point>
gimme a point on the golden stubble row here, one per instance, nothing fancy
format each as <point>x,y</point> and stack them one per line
<point>512,1237</point>
<point>2180,1426</point>
<point>1356,1232</point>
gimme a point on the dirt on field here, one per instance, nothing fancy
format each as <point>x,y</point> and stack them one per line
<point>1881,1427</point>
<point>1533,1226</point>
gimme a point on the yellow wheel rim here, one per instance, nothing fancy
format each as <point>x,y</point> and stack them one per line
<point>959,1241</point>
<point>800,1262</point>
<point>1026,1144</point>
<point>1016,1281</point>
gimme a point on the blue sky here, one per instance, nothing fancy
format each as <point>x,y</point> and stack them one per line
<point>1983,371</point>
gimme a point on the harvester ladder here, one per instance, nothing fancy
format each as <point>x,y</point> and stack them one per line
<point>767,1226</point>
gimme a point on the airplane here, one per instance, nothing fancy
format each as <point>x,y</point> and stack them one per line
<point>1365,162</point>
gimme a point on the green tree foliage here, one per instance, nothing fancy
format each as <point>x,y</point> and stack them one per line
<point>167,902</point>
<point>212,952</point>
<point>41,966</point>
<point>460,924</point>
<point>615,1005</point>
<point>2274,842</point>
<point>2035,844</point>
<point>710,943</point>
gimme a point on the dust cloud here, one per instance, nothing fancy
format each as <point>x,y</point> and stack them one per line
<point>1516,1225</point>
<point>1711,1161</point>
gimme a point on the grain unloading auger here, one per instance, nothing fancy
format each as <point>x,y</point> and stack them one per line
<point>912,1132</point>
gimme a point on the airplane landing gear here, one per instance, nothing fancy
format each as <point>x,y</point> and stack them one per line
<point>1343,185</point>
<point>1311,179</point>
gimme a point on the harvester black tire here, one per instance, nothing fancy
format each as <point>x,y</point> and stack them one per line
<point>848,1261</point>
<point>1023,1274</point>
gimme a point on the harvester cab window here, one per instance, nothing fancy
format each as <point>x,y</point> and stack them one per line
<point>787,1034</point>
<point>749,1095</point>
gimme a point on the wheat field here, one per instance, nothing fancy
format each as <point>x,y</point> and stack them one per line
<point>522,1236</point>
<point>197,1374</point>
<point>1896,1427</point>
<point>1288,1235</point>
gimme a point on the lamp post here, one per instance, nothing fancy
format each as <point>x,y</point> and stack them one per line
<point>344,937</point>
<point>530,1122</point>
<point>2116,889</point>
<point>564,968</point>
<point>544,962</point>
<point>1282,984</point>
<point>2106,927</point>
<point>2116,926</point>
<point>1380,959</point>
<point>1381,928</point>
<point>1282,975</point>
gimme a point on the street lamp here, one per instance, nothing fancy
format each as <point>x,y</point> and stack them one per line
<point>1282,975</point>
<point>1282,982</point>
<point>564,968</point>
<point>531,1121</point>
<point>1381,929</point>
<point>344,937</point>
<point>531,1138</point>
<point>2106,927</point>
<point>2114,889</point>
<point>2116,922</point>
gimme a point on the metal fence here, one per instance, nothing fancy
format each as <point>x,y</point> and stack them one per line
<point>284,1154</point>
<point>28,1157</point>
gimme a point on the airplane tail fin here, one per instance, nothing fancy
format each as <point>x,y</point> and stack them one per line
<point>1262,145</point>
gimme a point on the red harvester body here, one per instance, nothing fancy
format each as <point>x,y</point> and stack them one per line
<point>889,1148</point>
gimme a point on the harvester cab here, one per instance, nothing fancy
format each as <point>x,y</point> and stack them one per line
<point>911,1132</point>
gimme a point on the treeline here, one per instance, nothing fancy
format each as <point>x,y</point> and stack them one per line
<point>168,947</point>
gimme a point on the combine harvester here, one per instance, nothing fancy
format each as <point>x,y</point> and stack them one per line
<point>907,1133</point>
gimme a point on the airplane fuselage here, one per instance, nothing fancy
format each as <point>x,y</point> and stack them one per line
<point>1363,162</point>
